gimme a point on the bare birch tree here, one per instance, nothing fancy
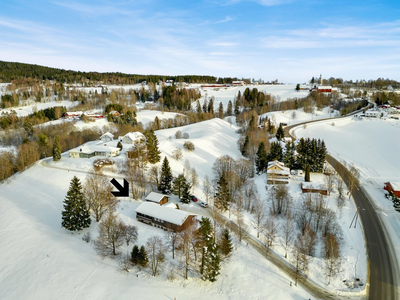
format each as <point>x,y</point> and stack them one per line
<point>155,250</point>
<point>287,230</point>
<point>259,215</point>
<point>207,188</point>
<point>111,235</point>
<point>332,255</point>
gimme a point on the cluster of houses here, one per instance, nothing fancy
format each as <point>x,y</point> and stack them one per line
<point>385,108</point>
<point>277,173</point>
<point>79,114</point>
<point>102,149</point>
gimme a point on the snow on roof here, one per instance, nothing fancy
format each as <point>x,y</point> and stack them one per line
<point>395,185</point>
<point>324,87</point>
<point>108,134</point>
<point>171,215</point>
<point>134,135</point>
<point>276,163</point>
<point>94,148</point>
<point>313,185</point>
<point>155,197</point>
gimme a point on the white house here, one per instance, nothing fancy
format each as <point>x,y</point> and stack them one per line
<point>371,113</point>
<point>238,82</point>
<point>277,173</point>
<point>107,137</point>
<point>87,151</point>
<point>131,137</point>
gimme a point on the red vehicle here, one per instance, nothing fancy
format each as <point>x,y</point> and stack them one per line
<point>194,199</point>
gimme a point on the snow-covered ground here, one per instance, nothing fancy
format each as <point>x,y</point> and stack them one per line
<point>291,117</point>
<point>41,260</point>
<point>23,111</point>
<point>147,116</point>
<point>281,92</point>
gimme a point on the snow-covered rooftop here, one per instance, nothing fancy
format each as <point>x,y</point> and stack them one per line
<point>313,185</point>
<point>155,197</point>
<point>395,185</point>
<point>108,134</point>
<point>134,135</point>
<point>174,216</point>
<point>94,148</point>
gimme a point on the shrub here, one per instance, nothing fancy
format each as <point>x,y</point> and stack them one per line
<point>188,146</point>
<point>101,162</point>
<point>177,154</point>
<point>186,135</point>
<point>178,135</point>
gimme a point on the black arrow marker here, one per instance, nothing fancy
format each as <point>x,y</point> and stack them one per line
<point>123,191</point>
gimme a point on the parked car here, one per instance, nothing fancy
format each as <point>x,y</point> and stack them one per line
<point>193,197</point>
<point>203,204</point>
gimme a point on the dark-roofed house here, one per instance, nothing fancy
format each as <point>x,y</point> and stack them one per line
<point>157,198</point>
<point>166,218</point>
<point>393,187</point>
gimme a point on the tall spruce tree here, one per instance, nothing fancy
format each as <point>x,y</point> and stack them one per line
<point>245,145</point>
<point>178,184</point>
<point>135,254</point>
<point>222,198</point>
<point>261,158</point>
<point>210,107</point>
<point>142,258</point>
<point>226,242</point>
<point>307,174</point>
<point>153,153</point>
<point>229,108</point>
<point>56,149</point>
<point>275,152</point>
<point>76,214</point>
<point>280,134</point>
<point>166,177</point>
<point>289,158</point>
<point>210,260</point>
<point>185,192</point>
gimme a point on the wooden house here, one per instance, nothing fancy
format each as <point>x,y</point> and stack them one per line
<point>393,187</point>
<point>157,198</point>
<point>88,151</point>
<point>277,173</point>
<point>169,219</point>
<point>131,137</point>
<point>312,187</point>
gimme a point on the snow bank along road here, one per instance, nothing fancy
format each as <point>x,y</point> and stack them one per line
<point>384,274</point>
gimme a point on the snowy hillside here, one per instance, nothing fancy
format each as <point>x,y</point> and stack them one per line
<point>41,260</point>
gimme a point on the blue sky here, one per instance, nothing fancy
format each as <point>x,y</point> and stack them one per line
<point>288,40</point>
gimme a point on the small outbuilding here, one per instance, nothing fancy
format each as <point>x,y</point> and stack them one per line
<point>311,187</point>
<point>393,187</point>
<point>107,137</point>
<point>131,137</point>
<point>157,198</point>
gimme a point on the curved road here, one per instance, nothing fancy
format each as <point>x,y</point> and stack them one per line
<point>383,279</point>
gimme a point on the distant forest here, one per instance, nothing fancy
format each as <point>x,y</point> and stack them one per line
<point>30,74</point>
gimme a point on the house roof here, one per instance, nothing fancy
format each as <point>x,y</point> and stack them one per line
<point>108,134</point>
<point>171,215</point>
<point>313,185</point>
<point>155,197</point>
<point>324,87</point>
<point>93,148</point>
<point>134,135</point>
<point>395,185</point>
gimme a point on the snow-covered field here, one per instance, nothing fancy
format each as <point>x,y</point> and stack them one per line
<point>291,117</point>
<point>147,116</point>
<point>282,92</point>
<point>23,111</point>
<point>41,260</point>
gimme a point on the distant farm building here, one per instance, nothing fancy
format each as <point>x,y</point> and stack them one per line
<point>277,173</point>
<point>393,187</point>
<point>169,219</point>
<point>114,113</point>
<point>157,198</point>
<point>310,187</point>
<point>238,82</point>
<point>87,151</point>
<point>73,114</point>
<point>371,113</point>
<point>107,137</point>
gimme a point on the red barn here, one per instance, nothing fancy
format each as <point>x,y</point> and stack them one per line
<point>393,187</point>
<point>325,89</point>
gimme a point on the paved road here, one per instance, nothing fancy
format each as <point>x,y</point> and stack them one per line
<point>383,271</point>
<point>383,277</point>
